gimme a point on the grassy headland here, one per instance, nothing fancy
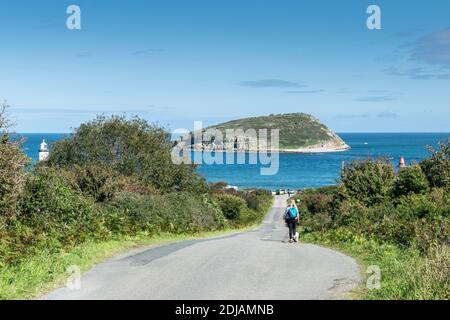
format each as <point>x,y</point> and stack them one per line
<point>298,132</point>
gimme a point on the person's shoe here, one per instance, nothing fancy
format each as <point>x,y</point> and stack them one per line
<point>290,240</point>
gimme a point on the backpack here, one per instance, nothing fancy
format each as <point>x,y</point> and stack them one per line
<point>292,213</point>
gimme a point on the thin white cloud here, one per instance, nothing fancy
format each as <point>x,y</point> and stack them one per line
<point>305,91</point>
<point>387,114</point>
<point>419,73</point>
<point>377,98</point>
<point>271,83</point>
<point>433,48</point>
<point>146,52</point>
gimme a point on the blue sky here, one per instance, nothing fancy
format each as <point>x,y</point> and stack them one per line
<point>185,60</point>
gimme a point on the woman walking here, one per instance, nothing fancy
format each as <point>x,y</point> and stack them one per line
<point>291,217</point>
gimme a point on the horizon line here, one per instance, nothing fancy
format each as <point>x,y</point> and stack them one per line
<point>337,132</point>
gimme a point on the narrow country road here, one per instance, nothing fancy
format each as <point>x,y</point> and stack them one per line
<point>258,264</point>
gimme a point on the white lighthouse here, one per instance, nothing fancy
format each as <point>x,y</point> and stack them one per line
<point>43,151</point>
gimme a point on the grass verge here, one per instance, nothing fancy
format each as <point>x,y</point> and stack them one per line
<point>406,274</point>
<point>47,270</point>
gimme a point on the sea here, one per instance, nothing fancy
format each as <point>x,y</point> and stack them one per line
<point>295,170</point>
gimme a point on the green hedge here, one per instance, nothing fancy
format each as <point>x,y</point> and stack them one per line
<point>408,210</point>
<point>230,205</point>
<point>177,212</point>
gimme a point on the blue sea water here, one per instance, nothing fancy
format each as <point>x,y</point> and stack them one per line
<point>302,170</point>
<point>33,141</point>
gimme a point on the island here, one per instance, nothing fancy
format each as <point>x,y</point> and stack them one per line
<point>298,133</point>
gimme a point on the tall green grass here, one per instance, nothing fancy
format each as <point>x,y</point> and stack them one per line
<point>406,274</point>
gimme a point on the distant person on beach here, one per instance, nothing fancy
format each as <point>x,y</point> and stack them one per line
<point>292,218</point>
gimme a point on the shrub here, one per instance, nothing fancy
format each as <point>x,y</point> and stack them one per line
<point>13,163</point>
<point>131,147</point>
<point>130,213</point>
<point>415,222</point>
<point>133,185</point>
<point>49,206</point>
<point>320,222</point>
<point>396,230</point>
<point>410,180</point>
<point>417,206</point>
<point>317,203</point>
<point>328,190</point>
<point>96,181</point>
<point>255,199</point>
<point>178,213</point>
<point>441,197</point>
<point>230,205</point>
<point>253,209</point>
<point>437,166</point>
<point>251,200</point>
<point>368,181</point>
<point>249,216</point>
<point>431,231</point>
<point>218,186</point>
<point>192,213</point>
<point>262,192</point>
<point>351,212</point>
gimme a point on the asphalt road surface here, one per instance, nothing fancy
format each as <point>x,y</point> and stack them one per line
<point>258,264</point>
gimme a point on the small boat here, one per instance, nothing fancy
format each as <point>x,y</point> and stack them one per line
<point>366,143</point>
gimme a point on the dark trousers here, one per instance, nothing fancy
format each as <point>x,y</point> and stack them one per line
<point>292,224</point>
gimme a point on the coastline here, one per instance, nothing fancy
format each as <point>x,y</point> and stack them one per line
<point>311,149</point>
<point>317,149</point>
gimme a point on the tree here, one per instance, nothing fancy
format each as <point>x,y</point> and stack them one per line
<point>130,147</point>
<point>13,163</point>
<point>368,181</point>
<point>5,121</point>
<point>410,180</point>
<point>437,167</point>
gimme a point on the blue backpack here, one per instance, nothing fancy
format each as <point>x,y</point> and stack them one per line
<point>292,213</point>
